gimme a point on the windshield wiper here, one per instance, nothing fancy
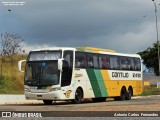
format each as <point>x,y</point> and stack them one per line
<point>31,82</point>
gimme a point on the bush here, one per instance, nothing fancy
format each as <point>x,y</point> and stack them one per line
<point>11,81</point>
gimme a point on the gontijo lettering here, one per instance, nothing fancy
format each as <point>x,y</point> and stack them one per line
<point>120,74</point>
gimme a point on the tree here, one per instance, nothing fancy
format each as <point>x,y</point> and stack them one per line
<point>10,45</point>
<point>150,58</point>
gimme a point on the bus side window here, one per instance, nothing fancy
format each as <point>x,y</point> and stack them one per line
<point>82,63</point>
<point>90,60</point>
<point>104,62</point>
<point>130,63</point>
<point>123,63</point>
<point>90,63</point>
<point>77,63</point>
<point>80,60</point>
<point>137,64</point>
<point>114,62</point>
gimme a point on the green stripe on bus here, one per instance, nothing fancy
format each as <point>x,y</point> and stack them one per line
<point>94,83</point>
<point>101,83</point>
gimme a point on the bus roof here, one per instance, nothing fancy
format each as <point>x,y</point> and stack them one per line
<point>104,51</point>
<point>54,48</point>
<point>90,50</point>
<point>95,50</point>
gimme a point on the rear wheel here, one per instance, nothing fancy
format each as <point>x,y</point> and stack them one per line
<point>129,94</point>
<point>122,95</point>
<point>47,102</point>
<point>78,96</point>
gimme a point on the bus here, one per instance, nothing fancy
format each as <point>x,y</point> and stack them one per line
<point>73,74</point>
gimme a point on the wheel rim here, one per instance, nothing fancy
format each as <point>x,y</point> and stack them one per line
<point>78,96</point>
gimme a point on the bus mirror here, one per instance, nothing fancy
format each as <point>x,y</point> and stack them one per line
<point>60,61</point>
<point>20,65</point>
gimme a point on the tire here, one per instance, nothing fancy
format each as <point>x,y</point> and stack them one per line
<point>78,96</point>
<point>47,102</point>
<point>102,99</point>
<point>129,94</point>
<point>123,94</point>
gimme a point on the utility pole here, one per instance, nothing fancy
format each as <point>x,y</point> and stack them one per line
<point>155,5</point>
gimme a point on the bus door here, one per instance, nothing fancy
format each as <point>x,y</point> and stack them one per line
<point>67,68</point>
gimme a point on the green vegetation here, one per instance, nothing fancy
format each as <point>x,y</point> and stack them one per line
<point>150,90</point>
<point>150,57</point>
<point>11,81</point>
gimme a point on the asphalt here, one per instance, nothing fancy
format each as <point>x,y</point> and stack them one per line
<point>20,99</point>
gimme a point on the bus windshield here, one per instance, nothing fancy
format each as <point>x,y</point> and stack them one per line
<point>42,69</point>
<point>44,55</point>
<point>42,73</point>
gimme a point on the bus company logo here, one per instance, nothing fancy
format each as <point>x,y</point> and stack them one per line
<point>68,92</point>
<point>6,114</point>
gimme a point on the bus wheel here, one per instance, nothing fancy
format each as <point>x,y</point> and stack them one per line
<point>129,94</point>
<point>78,96</point>
<point>47,102</point>
<point>102,99</point>
<point>123,94</point>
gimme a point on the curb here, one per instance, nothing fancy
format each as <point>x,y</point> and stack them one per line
<point>136,97</point>
<point>22,102</point>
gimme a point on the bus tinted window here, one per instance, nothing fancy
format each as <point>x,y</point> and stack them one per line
<point>92,60</point>
<point>104,62</point>
<point>80,60</point>
<point>123,63</point>
<point>114,62</point>
<point>137,64</point>
<point>130,63</point>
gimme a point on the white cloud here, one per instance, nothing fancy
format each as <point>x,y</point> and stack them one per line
<point>29,47</point>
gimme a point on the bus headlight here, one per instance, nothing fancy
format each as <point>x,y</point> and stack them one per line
<point>27,90</point>
<point>55,89</point>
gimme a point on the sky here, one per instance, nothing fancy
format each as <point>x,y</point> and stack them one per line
<point>127,26</point>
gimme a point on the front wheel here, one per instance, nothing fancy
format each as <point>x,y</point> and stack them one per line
<point>47,102</point>
<point>78,96</point>
<point>123,94</point>
<point>129,94</point>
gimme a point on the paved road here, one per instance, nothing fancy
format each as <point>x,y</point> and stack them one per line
<point>148,103</point>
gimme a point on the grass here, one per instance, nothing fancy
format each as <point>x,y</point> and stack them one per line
<point>150,90</point>
<point>11,81</point>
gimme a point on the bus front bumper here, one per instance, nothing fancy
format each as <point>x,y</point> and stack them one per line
<point>56,95</point>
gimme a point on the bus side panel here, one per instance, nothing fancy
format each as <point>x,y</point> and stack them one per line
<point>81,79</point>
<point>97,83</point>
<point>113,86</point>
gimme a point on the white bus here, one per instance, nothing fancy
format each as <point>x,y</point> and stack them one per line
<point>73,74</point>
